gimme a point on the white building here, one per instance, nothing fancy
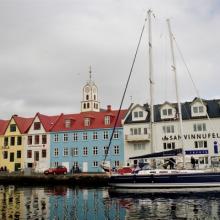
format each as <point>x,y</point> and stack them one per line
<point>37,143</point>
<point>200,132</point>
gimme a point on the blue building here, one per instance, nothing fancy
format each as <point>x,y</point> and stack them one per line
<point>81,140</point>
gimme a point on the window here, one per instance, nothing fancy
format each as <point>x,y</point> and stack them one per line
<point>199,127</point>
<point>106,151</point>
<point>19,140</point>
<point>56,164</point>
<point>145,130</point>
<point>44,139</point>
<point>95,150</point>
<point>141,114</point>
<point>115,136</point>
<point>12,127</point>
<point>68,123</point>
<point>95,135</point>
<point>74,151</point>
<point>11,157</point>
<point>116,163</point>
<point>12,141</point>
<point>75,136</point>
<point>168,129</point>
<point>65,137</point>
<point>200,144</point>
<point>56,152</point>
<point>116,150</point>
<point>29,140</point>
<point>87,122</point>
<point>85,136</point>
<point>135,114</point>
<point>56,138</point>
<point>167,112</point>
<point>29,154</point>
<point>6,141</point>
<point>139,146</point>
<point>75,164</point>
<point>107,120</point>
<point>203,160</point>
<point>44,153</point>
<point>37,125</point>
<point>65,152</point>
<point>36,139</point>
<point>5,154</point>
<point>168,146</point>
<point>87,97</point>
<point>18,154</point>
<point>85,151</point>
<point>95,163</point>
<point>105,135</point>
<point>198,109</point>
<point>135,131</point>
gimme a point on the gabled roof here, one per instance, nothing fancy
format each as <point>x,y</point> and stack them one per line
<point>3,126</point>
<point>22,123</point>
<point>47,121</point>
<point>97,120</point>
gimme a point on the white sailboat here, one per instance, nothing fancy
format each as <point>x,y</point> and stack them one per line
<point>163,178</point>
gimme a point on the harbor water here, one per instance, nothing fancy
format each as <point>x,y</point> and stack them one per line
<point>63,202</point>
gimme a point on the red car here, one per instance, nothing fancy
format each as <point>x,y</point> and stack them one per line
<point>56,170</point>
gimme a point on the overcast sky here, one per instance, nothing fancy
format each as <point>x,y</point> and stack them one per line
<point>47,46</point>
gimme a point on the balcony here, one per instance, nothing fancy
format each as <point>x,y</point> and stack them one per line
<point>137,137</point>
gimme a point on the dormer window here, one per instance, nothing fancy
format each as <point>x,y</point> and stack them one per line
<point>138,114</point>
<point>68,123</point>
<point>198,109</point>
<point>167,112</point>
<point>87,122</point>
<point>107,120</point>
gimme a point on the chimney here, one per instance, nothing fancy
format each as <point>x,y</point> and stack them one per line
<point>109,108</point>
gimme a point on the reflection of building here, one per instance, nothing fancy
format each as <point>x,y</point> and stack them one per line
<point>36,204</point>
<point>199,133</point>
<point>11,203</point>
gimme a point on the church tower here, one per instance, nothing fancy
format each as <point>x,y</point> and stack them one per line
<point>90,96</point>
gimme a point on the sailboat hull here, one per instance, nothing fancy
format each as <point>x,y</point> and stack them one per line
<point>178,180</point>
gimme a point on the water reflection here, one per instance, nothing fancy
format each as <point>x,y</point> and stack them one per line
<point>62,202</point>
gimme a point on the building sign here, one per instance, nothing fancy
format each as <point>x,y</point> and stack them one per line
<point>191,152</point>
<point>191,136</point>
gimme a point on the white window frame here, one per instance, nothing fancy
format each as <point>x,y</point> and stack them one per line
<point>107,120</point>
<point>65,152</point>
<point>199,127</point>
<point>85,136</point>
<point>116,150</point>
<point>116,134</point>
<point>65,137</point>
<point>95,150</point>
<point>95,135</point>
<point>75,136</point>
<point>105,135</point>
<point>85,151</point>
<point>95,163</point>
<point>56,138</point>
<point>56,152</point>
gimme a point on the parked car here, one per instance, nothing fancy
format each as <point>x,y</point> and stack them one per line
<point>56,170</point>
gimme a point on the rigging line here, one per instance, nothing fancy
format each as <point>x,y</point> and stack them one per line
<point>122,100</point>
<point>190,75</point>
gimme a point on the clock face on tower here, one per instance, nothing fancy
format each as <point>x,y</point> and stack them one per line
<point>87,89</point>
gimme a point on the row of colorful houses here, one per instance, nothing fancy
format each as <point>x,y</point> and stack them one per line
<point>67,139</point>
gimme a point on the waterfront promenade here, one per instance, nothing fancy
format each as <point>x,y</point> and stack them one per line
<point>36,179</point>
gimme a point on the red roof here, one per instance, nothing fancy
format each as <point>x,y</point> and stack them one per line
<point>47,121</point>
<point>3,126</point>
<point>22,123</point>
<point>97,120</point>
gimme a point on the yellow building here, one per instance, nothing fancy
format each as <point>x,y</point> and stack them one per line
<point>13,143</point>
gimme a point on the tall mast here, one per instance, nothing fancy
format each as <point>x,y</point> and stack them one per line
<point>177,89</point>
<point>151,81</point>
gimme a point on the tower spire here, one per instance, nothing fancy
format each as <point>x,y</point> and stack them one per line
<point>90,73</point>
